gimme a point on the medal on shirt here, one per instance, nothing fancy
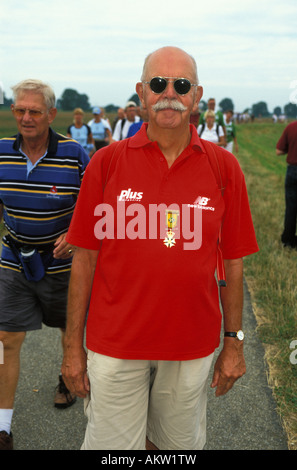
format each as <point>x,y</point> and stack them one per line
<point>171,222</point>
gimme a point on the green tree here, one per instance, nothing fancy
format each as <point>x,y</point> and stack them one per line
<point>260,109</point>
<point>277,111</point>
<point>202,105</point>
<point>290,110</point>
<point>71,99</point>
<point>226,105</point>
<point>111,108</point>
<point>135,98</point>
<point>6,101</point>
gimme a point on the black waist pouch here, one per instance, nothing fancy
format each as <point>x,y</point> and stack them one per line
<point>30,259</point>
<point>32,264</point>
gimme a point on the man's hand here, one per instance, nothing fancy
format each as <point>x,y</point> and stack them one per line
<point>229,366</point>
<point>62,249</point>
<point>74,366</point>
<point>74,371</point>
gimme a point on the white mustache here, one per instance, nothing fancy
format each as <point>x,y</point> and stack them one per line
<point>171,104</point>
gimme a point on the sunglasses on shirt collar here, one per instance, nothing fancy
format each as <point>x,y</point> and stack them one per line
<point>182,86</point>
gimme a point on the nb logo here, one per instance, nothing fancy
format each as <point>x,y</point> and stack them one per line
<point>202,201</point>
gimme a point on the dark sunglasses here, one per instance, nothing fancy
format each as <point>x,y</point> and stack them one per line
<point>182,86</point>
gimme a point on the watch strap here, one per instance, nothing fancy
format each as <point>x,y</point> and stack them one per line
<point>235,334</point>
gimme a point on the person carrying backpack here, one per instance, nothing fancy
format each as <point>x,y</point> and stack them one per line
<point>158,215</point>
<point>211,130</point>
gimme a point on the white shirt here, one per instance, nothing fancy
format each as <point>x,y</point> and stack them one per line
<point>126,127</point>
<point>210,134</point>
<point>104,121</point>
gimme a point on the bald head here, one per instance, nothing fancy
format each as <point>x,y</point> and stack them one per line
<point>169,54</point>
<point>169,108</point>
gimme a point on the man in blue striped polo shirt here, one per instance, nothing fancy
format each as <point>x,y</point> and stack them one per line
<point>40,177</point>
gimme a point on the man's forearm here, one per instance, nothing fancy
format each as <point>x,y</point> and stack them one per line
<point>80,286</point>
<point>230,364</point>
<point>74,366</point>
<point>232,295</point>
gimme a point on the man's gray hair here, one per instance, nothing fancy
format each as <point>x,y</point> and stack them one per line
<point>36,86</point>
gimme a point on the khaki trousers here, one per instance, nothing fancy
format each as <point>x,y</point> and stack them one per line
<point>131,399</point>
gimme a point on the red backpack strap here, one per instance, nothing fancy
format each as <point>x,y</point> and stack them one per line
<point>109,162</point>
<point>216,159</point>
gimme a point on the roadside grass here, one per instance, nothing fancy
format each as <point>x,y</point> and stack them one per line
<point>271,273</point>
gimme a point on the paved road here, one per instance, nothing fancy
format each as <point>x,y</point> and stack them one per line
<point>244,419</point>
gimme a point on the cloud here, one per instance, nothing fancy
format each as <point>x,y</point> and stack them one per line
<point>243,49</point>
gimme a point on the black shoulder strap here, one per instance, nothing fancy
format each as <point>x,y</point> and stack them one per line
<point>217,130</point>
<point>122,125</point>
<point>202,129</point>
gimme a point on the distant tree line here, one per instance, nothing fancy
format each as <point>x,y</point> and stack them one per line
<point>7,102</point>
<point>260,109</point>
<point>71,99</point>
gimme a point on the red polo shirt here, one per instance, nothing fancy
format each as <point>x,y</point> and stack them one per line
<point>150,299</point>
<point>288,143</point>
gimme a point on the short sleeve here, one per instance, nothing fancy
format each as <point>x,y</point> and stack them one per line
<point>282,144</point>
<point>81,230</point>
<point>238,233</point>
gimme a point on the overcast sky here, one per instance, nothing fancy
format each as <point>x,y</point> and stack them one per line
<point>245,50</point>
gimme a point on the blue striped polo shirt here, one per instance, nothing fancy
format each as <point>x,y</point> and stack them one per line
<point>39,200</point>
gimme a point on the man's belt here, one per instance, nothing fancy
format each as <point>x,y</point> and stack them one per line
<point>12,242</point>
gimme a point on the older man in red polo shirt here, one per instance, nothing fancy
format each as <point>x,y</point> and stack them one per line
<point>152,226</point>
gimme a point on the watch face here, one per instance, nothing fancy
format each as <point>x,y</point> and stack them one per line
<point>240,335</point>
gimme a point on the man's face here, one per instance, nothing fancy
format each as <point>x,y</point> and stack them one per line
<point>173,64</point>
<point>211,104</point>
<point>121,113</point>
<point>78,119</point>
<point>131,113</point>
<point>32,127</point>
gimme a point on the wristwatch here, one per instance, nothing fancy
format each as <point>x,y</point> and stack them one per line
<point>235,334</point>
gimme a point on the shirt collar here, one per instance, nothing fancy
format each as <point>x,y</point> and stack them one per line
<point>140,139</point>
<point>52,146</point>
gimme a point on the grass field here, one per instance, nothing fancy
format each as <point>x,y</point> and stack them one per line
<point>271,273</point>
